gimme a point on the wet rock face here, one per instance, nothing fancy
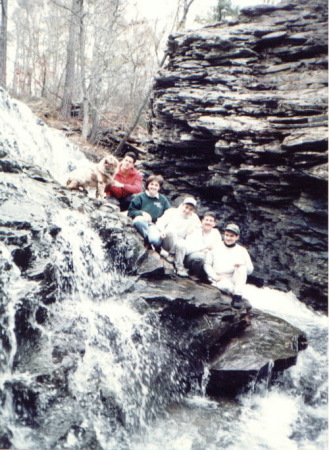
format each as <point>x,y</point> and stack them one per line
<point>238,118</point>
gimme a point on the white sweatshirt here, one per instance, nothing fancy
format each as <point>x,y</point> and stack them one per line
<point>222,260</point>
<point>173,221</point>
<point>199,240</point>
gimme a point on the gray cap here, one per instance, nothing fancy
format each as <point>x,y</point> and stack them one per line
<point>190,201</point>
<point>232,227</point>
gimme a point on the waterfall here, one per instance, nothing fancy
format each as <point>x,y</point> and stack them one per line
<point>101,367</point>
<point>112,354</point>
<point>31,141</point>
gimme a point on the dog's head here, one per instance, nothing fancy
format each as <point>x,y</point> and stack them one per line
<point>109,165</point>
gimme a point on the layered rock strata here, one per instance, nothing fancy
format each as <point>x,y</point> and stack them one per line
<point>238,118</point>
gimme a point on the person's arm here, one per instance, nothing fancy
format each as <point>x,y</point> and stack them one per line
<point>113,189</point>
<point>134,185</point>
<point>120,189</point>
<point>195,224</point>
<point>214,240</point>
<point>208,266</point>
<point>249,264</point>
<point>108,189</point>
<point>194,242</point>
<point>135,207</point>
<point>166,204</point>
<point>163,221</point>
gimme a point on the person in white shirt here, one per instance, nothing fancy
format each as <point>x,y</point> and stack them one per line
<point>229,264</point>
<point>174,226</point>
<point>199,243</point>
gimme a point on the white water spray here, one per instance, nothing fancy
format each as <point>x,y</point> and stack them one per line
<point>31,141</point>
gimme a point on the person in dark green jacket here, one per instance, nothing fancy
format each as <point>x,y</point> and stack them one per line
<point>146,207</point>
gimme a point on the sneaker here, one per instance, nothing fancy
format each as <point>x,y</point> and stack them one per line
<point>147,244</point>
<point>164,253</point>
<point>194,278</point>
<point>170,259</point>
<point>237,301</point>
<point>182,273</point>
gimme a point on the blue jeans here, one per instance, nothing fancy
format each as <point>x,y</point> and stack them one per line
<point>148,230</point>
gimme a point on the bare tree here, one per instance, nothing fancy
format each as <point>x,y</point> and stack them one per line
<point>184,5</point>
<point>90,52</point>
<point>3,42</point>
<point>69,83</point>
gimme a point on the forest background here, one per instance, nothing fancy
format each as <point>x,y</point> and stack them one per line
<point>98,55</point>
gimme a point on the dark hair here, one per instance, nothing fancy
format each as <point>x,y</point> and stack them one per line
<point>158,178</point>
<point>210,213</point>
<point>131,155</point>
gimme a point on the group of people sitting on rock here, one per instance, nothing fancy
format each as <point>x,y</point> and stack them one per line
<point>178,234</point>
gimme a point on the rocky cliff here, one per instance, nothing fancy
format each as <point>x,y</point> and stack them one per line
<point>238,118</point>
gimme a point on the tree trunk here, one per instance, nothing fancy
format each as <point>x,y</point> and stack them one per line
<point>85,105</point>
<point>3,42</point>
<point>95,125</point>
<point>67,100</point>
<point>139,113</point>
<point>186,6</point>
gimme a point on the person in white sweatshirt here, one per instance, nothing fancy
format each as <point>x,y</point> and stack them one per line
<point>200,242</point>
<point>174,226</point>
<point>229,264</point>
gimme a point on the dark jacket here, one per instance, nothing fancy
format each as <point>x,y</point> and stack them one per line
<point>153,205</point>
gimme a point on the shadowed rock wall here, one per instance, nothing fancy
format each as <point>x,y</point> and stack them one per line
<point>238,118</point>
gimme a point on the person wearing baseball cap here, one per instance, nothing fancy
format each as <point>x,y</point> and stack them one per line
<point>228,265</point>
<point>190,201</point>
<point>174,226</point>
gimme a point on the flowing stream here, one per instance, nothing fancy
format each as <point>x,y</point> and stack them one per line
<point>123,384</point>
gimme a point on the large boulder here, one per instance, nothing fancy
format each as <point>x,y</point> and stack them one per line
<point>264,349</point>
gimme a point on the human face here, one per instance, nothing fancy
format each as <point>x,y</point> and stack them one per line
<point>127,163</point>
<point>187,209</point>
<point>208,223</point>
<point>230,238</point>
<point>153,187</point>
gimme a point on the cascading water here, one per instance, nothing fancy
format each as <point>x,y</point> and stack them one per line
<point>122,382</point>
<point>116,352</point>
<point>107,354</point>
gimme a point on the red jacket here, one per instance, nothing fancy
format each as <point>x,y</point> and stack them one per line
<point>133,184</point>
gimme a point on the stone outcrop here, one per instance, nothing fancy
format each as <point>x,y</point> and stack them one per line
<point>238,118</point>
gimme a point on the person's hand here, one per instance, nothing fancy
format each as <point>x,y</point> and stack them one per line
<point>117,184</point>
<point>190,229</point>
<point>147,216</point>
<point>163,235</point>
<point>219,278</point>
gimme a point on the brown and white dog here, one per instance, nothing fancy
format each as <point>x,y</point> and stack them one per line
<point>96,176</point>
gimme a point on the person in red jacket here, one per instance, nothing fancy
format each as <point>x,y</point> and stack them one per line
<point>127,182</point>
